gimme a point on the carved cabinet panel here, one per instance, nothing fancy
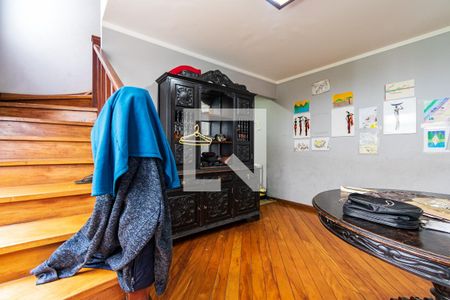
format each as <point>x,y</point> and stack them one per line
<point>244,198</point>
<point>185,211</point>
<point>218,205</point>
<point>243,152</point>
<point>184,95</point>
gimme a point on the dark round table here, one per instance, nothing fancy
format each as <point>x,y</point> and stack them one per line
<point>425,253</point>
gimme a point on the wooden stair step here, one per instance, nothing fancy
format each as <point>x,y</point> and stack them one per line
<point>14,126</point>
<point>48,111</point>
<point>38,147</point>
<point>18,237</point>
<point>81,100</point>
<point>38,171</point>
<point>42,191</point>
<point>86,284</point>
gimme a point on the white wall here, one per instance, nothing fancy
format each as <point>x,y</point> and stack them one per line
<point>140,63</point>
<point>45,45</point>
<point>400,162</point>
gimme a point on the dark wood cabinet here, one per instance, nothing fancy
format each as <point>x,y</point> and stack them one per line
<point>193,212</point>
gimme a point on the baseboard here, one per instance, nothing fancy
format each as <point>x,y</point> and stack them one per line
<point>302,206</point>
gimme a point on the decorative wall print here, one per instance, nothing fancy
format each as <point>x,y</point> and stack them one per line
<point>301,125</point>
<point>343,99</point>
<point>368,117</point>
<point>320,144</point>
<point>342,121</point>
<point>301,145</point>
<point>399,90</point>
<point>301,106</point>
<point>321,87</point>
<point>437,111</point>
<point>368,142</point>
<point>436,140</point>
<point>399,116</point>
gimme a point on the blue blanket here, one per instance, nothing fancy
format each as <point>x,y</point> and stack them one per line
<point>128,125</point>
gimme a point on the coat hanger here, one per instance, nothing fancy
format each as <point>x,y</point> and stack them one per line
<point>191,139</point>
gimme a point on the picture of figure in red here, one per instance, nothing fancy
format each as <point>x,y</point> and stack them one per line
<point>300,123</point>
<point>295,126</point>
<point>306,120</point>
<point>349,119</point>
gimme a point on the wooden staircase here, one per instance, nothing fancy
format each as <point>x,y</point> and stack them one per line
<point>44,147</point>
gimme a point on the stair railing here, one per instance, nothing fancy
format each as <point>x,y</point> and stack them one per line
<point>105,80</point>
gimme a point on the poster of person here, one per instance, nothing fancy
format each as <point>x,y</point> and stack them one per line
<point>343,121</point>
<point>399,116</point>
<point>301,125</point>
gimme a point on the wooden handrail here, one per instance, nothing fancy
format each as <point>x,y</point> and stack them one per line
<point>105,80</point>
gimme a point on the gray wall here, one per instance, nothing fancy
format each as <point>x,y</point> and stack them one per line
<point>139,63</point>
<point>45,46</point>
<point>400,162</point>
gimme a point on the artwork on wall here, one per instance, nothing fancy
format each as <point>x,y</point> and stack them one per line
<point>368,142</point>
<point>301,106</point>
<point>301,145</point>
<point>399,90</point>
<point>301,125</point>
<point>342,121</point>
<point>320,144</point>
<point>343,99</point>
<point>436,140</point>
<point>321,87</point>
<point>368,117</point>
<point>437,111</point>
<point>399,116</point>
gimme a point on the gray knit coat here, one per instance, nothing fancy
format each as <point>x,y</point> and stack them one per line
<point>118,229</point>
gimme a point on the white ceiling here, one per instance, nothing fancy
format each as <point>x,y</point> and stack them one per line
<point>277,44</point>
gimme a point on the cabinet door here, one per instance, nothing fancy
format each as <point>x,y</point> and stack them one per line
<point>185,211</point>
<point>245,199</point>
<point>184,93</point>
<point>218,205</point>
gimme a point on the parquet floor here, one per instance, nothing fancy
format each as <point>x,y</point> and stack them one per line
<point>287,254</point>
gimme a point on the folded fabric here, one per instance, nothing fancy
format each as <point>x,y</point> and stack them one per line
<point>383,211</point>
<point>128,125</point>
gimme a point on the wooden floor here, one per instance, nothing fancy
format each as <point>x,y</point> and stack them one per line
<point>287,254</point>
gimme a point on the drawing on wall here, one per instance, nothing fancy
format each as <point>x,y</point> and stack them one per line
<point>343,99</point>
<point>320,144</point>
<point>342,121</point>
<point>368,117</point>
<point>436,140</point>
<point>368,142</point>
<point>399,90</point>
<point>399,116</point>
<point>301,106</point>
<point>437,111</point>
<point>301,145</point>
<point>321,87</point>
<point>301,125</point>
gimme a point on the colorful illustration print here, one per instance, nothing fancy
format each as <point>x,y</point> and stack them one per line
<point>437,111</point>
<point>343,99</point>
<point>436,139</point>
<point>301,106</point>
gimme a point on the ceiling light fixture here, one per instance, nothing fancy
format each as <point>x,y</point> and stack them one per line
<point>279,3</point>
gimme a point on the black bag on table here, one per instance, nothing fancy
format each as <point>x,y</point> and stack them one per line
<point>383,211</point>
